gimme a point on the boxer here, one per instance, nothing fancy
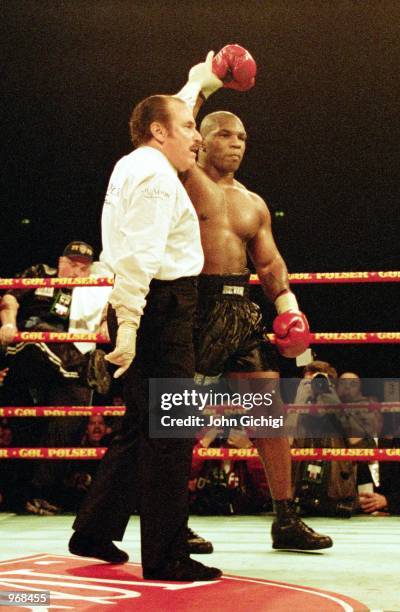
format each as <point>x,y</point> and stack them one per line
<point>235,223</point>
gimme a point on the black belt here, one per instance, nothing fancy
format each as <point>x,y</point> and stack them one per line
<point>224,284</point>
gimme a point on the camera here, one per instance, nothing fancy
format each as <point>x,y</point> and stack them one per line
<point>343,508</point>
<point>320,383</point>
<point>311,495</point>
<point>308,504</point>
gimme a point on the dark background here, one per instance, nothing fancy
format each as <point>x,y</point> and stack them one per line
<point>323,123</point>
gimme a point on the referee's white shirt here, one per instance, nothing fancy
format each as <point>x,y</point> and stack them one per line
<point>149,229</point>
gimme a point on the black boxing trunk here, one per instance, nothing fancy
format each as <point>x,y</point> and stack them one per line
<point>229,335</point>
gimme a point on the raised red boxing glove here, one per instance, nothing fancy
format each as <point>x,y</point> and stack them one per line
<point>235,67</point>
<point>292,333</point>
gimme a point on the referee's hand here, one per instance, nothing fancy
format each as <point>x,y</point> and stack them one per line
<point>125,349</point>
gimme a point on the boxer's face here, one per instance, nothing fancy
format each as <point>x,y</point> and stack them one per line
<point>182,140</point>
<point>225,144</point>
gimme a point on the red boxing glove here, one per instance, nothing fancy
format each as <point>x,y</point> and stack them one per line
<point>235,67</point>
<point>292,333</point>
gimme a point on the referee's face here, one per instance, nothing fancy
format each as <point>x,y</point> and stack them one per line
<point>182,140</point>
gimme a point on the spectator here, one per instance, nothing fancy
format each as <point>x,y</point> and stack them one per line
<point>68,492</point>
<point>228,486</point>
<point>322,487</point>
<point>6,434</point>
<point>316,387</point>
<point>59,373</point>
<point>348,388</point>
<point>308,393</point>
<point>362,427</point>
<point>385,496</point>
<point>96,431</point>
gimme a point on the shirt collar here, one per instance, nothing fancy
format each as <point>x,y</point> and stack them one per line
<point>156,154</point>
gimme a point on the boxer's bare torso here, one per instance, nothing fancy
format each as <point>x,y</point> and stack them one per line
<point>234,222</point>
<point>230,216</point>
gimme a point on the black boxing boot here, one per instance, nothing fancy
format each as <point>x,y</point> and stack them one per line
<point>289,532</point>
<point>196,545</point>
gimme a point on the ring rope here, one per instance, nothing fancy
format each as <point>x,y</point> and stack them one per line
<point>73,411</point>
<point>60,411</point>
<point>381,337</point>
<point>35,283</point>
<point>59,337</point>
<point>296,278</point>
<point>216,454</point>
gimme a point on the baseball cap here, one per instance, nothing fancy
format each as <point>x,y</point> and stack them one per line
<point>79,250</point>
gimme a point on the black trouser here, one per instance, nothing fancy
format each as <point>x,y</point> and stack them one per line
<point>39,364</point>
<point>151,474</point>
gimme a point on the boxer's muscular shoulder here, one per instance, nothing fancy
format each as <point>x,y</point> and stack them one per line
<point>261,205</point>
<point>257,200</point>
<point>253,201</point>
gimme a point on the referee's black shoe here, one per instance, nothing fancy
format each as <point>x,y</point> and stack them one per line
<point>85,546</point>
<point>183,569</point>
<point>196,545</point>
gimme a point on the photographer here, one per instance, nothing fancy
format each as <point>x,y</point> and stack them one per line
<point>322,487</point>
<point>363,428</point>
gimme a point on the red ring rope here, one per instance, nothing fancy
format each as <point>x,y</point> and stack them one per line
<point>74,411</point>
<point>217,454</point>
<point>382,276</point>
<point>381,337</point>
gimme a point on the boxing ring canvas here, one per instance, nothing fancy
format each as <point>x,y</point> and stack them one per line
<point>358,573</point>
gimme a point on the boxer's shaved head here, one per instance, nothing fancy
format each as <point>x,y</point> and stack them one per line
<point>215,120</point>
<point>224,142</point>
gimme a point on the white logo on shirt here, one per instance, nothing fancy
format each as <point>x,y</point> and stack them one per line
<point>155,193</point>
